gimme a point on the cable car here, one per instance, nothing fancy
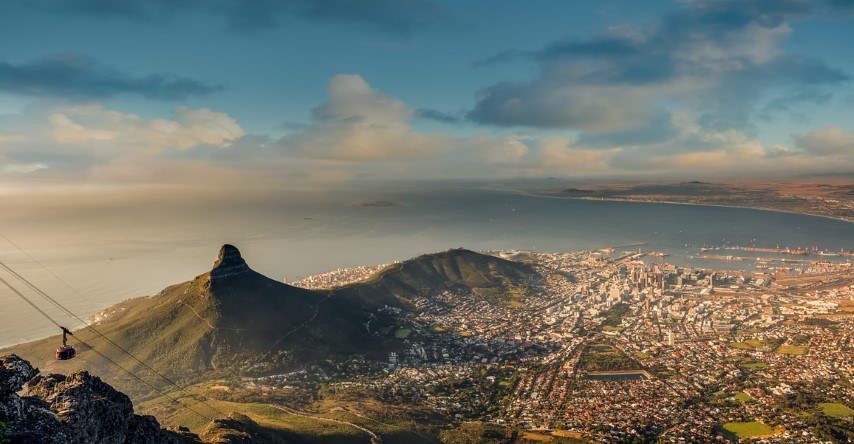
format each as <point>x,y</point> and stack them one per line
<point>65,352</point>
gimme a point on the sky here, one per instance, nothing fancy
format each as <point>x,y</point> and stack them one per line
<point>152,94</point>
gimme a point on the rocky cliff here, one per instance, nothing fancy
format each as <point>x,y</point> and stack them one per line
<point>79,408</point>
<point>229,263</point>
<point>82,409</point>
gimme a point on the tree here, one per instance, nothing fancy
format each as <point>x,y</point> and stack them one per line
<point>3,429</point>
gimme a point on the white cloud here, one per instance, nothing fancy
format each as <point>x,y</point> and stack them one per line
<point>21,168</point>
<point>360,123</point>
<point>725,154</point>
<point>827,141</point>
<point>361,132</point>
<point>93,124</point>
<point>719,58</point>
<point>559,152</point>
<point>92,142</point>
<point>502,151</point>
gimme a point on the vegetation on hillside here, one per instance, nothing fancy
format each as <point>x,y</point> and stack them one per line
<point>3,438</point>
<point>614,315</point>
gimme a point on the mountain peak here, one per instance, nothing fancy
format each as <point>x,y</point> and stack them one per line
<point>229,263</point>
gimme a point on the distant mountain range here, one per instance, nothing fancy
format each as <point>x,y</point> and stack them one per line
<point>830,196</point>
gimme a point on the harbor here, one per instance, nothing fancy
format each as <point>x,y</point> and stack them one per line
<point>784,251</point>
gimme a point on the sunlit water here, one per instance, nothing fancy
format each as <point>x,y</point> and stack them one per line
<point>115,253</point>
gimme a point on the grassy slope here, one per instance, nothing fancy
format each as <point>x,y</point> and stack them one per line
<point>282,425</point>
<point>395,424</point>
<point>483,274</point>
<point>160,330</point>
<point>195,326</point>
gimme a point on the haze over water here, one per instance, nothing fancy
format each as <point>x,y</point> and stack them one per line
<point>116,251</point>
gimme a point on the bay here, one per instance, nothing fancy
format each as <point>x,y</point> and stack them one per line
<point>109,253</point>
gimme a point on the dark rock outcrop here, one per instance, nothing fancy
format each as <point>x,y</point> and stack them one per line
<point>26,419</point>
<point>184,434</point>
<point>229,263</point>
<point>79,408</point>
<point>236,429</point>
<point>14,374</point>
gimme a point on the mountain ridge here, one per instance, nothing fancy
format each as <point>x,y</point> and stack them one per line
<point>232,318</point>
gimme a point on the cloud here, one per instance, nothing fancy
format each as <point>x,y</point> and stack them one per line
<point>10,138</point>
<point>93,124</point>
<point>360,123</point>
<point>827,141</point>
<point>92,146</point>
<point>525,155</point>
<point>560,153</point>
<point>550,103</point>
<point>835,8</point>
<point>77,76</point>
<point>717,58</point>
<point>395,17</point>
<point>56,140</point>
<point>362,133</point>
<point>700,151</point>
<point>21,168</point>
<point>789,102</point>
<point>438,116</point>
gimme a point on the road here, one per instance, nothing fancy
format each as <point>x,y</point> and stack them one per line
<point>375,438</point>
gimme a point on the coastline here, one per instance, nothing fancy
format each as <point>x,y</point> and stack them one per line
<point>665,202</point>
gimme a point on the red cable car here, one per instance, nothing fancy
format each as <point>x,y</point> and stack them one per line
<point>65,352</point>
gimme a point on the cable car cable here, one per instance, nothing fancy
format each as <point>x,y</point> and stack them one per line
<point>49,318</point>
<point>83,322</point>
<point>161,392</point>
<point>93,329</point>
<point>54,275</point>
<point>27,300</point>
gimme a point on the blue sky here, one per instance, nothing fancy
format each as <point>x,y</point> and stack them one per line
<point>332,90</point>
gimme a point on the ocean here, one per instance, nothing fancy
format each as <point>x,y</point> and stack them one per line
<point>109,251</point>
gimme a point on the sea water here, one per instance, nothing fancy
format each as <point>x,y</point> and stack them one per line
<point>110,253</point>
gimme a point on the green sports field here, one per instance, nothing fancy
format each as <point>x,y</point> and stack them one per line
<point>748,429</point>
<point>836,409</point>
<point>791,350</point>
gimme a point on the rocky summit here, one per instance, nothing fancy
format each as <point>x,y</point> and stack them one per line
<point>229,263</point>
<point>79,408</point>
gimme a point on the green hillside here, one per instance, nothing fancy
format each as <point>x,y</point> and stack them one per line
<point>216,323</point>
<point>485,275</point>
<point>233,320</point>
